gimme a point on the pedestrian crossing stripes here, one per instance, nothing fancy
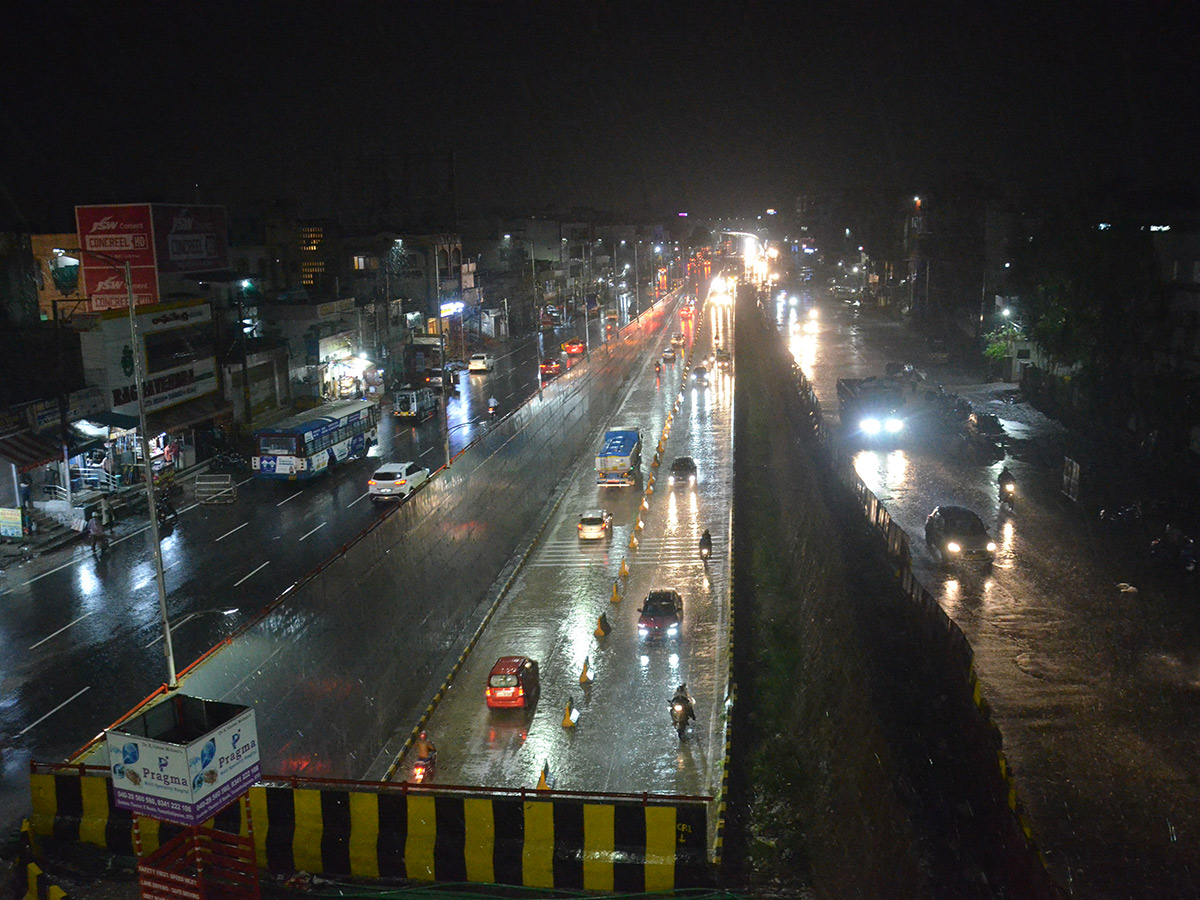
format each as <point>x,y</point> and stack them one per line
<point>578,554</point>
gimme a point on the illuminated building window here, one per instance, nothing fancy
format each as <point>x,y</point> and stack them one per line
<point>309,272</point>
<point>365,263</point>
<point>311,237</point>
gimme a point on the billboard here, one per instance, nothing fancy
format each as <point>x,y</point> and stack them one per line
<point>153,238</point>
<point>185,783</point>
<point>109,237</point>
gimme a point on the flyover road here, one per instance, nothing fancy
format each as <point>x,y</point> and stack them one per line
<point>83,638</point>
<point>622,740</point>
<point>1094,688</point>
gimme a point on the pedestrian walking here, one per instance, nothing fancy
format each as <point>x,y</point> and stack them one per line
<point>107,516</point>
<point>97,536</point>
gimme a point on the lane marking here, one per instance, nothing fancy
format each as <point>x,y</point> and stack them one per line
<point>263,566</point>
<point>52,712</point>
<point>246,481</point>
<point>367,494</point>
<point>228,533</point>
<point>60,631</point>
<point>322,525</point>
<point>285,500</point>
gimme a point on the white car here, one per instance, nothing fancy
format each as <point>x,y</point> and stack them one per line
<point>595,524</point>
<point>481,362</point>
<point>395,481</point>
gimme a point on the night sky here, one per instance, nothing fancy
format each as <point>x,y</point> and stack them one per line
<point>717,108</point>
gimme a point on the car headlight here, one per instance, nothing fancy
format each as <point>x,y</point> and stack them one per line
<point>953,547</point>
<point>643,631</point>
<point>674,629</point>
<point>893,425</point>
<point>691,479</point>
<point>991,546</point>
<point>670,479</point>
<point>870,426</point>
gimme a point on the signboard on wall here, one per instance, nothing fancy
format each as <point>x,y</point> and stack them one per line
<point>153,238</point>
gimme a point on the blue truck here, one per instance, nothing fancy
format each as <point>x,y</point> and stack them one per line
<point>619,461</point>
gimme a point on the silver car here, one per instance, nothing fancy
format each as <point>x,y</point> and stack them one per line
<point>395,481</point>
<point>595,524</point>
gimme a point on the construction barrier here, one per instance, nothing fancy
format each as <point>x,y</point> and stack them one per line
<point>536,838</point>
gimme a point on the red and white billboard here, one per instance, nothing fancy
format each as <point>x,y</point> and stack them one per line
<point>109,237</point>
<point>152,238</point>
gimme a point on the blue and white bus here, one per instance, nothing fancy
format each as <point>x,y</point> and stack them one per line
<point>306,444</point>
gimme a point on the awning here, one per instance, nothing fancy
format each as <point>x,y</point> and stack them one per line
<point>114,420</point>
<point>186,414</point>
<point>27,451</point>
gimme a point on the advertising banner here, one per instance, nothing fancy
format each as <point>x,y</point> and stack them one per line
<point>110,236</point>
<point>10,522</point>
<point>185,784</point>
<point>190,239</point>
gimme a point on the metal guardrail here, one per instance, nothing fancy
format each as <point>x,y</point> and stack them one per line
<point>215,489</point>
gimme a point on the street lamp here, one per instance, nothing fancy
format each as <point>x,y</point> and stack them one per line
<point>168,647</point>
<point>455,428</point>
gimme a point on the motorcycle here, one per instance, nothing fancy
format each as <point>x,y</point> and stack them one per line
<point>1174,548</point>
<point>165,512</point>
<point>658,368</point>
<point>705,547</point>
<point>423,769</point>
<point>492,410</point>
<point>679,718</point>
<point>1124,517</point>
<point>1008,495</point>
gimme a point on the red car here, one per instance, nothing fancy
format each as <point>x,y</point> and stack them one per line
<point>685,312</point>
<point>550,366</point>
<point>513,682</point>
<point>573,347</point>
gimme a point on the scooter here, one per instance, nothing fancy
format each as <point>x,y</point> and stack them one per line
<point>1008,495</point>
<point>492,410</point>
<point>423,769</point>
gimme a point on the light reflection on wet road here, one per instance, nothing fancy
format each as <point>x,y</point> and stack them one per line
<point>623,740</point>
<point>1095,689</point>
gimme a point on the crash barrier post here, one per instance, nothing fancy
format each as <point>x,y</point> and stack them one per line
<point>550,838</point>
<point>215,489</point>
<point>37,883</point>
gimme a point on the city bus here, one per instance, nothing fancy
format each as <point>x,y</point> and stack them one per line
<point>306,444</point>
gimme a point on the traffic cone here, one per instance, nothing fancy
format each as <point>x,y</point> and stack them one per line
<point>616,597</point>
<point>543,780</point>
<point>586,677</point>
<point>571,716</point>
<point>633,542</point>
<point>602,626</point>
<point>624,568</point>
<point>650,482</point>
<point>640,523</point>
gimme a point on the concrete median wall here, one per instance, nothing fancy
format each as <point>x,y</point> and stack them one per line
<point>390,608</point>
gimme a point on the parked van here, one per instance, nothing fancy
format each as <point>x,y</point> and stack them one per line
<point>415,403</point>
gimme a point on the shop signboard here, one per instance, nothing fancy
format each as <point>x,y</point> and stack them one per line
<point>184,759</point>
<point>190,239</point>
<point>10,522</point>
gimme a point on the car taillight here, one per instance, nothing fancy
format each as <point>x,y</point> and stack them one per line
<point>371,482</point>
<point>488,693</point>
<point>520,692</point>
<point>401,482</point>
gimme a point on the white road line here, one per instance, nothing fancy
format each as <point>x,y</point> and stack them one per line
<point>52,712</point>
<point>285,500</point>
<point>348,505</point>
<point>228,533</point>
<point>430,450</point>
<point>245,481</point>
<point>322,525</point>
<point>263,566</point>
<point>60,631</point>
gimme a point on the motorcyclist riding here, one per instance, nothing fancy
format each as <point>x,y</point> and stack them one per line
<point>705,545</point>
<point>1006,477</point>
<point>683,699</point>
<point>657,367</point>
<point>425,749</point>
<point>493,405</point>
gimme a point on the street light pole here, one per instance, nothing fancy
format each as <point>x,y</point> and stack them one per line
<point>168,647</point>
